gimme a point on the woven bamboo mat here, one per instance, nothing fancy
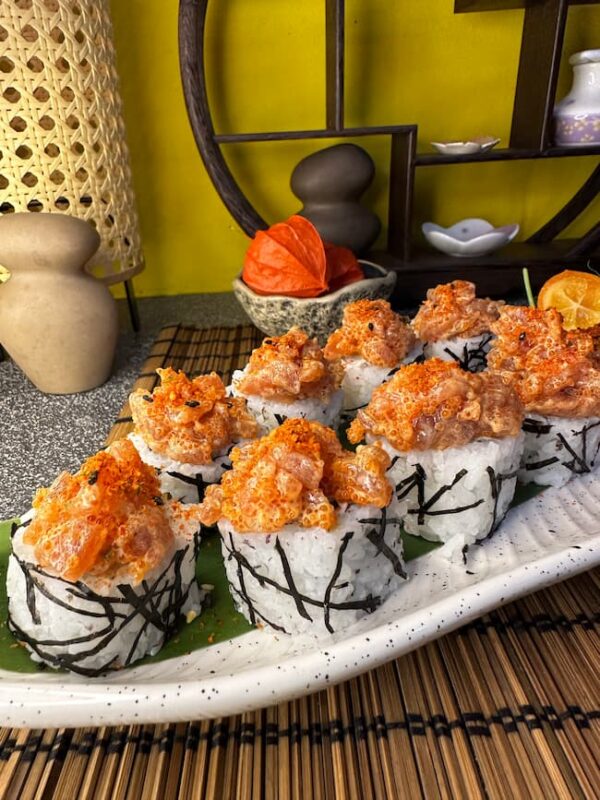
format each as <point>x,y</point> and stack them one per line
<point>508,706</point>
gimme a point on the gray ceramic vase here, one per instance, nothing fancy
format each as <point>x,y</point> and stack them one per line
<point>330,184</point>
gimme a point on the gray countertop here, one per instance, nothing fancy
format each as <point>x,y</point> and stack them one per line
<point>42,434</point>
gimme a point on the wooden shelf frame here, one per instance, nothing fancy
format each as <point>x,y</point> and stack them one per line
<point>541,47</point>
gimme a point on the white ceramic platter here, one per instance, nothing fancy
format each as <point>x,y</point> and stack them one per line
<point>552,537</point>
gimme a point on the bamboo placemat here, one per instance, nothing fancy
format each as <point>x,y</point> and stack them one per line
<point>508,706</point>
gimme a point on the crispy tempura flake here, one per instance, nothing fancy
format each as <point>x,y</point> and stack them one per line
<point>288,368</point>
<point>438,405</point>
<point>106,516</point>
<point>372,330</point>
<point>190,420</point>
<point>554,371</point>
<point>452,309</point>
<point>296,474</point>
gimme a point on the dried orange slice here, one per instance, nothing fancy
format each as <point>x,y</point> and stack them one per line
<point>576,295</point>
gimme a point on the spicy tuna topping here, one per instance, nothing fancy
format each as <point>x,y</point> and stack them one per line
<point>554,371</point>
<point>107,516</point>
<point>296,474</point>
<point>288,368</point>
<point>451,310</point>
<point>436,405</point>
<point>190,420</point>
<point>372,330</point>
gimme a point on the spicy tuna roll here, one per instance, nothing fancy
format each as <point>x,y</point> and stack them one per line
<point>102,568</point>
<point>306,536</point>
<point>372,343</point>
<point>456,325</point>
<point>455,443</point>
<point>557,375</point>
<point>186,428</point>
<point>288,376</point>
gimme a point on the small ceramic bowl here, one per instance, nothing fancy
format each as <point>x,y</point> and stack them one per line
<point>479,144</point>
<point>319,316</point>
<point>469,237</point>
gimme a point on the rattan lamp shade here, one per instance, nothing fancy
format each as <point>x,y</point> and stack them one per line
<point>63,144</point>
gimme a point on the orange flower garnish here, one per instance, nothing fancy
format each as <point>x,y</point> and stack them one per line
<point>291,259</point>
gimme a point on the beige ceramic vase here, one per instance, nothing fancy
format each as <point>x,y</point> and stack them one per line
<point>58,324</point>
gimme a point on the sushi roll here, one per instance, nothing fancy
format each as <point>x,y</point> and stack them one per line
<point>102,568</point>
<point>455,443</point>
<point>372,343</point>
<point>557,375</point>
<point>456,325</point>
<point>288,377</point>
<point>186,428</point>
<point>307,540</point>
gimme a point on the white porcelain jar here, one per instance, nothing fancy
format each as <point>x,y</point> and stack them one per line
<point>577,116</point>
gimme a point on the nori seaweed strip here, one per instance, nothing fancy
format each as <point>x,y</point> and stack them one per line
<point>584,468</point>
<point>338,568</point>
<point>257,613</point>
<point>166,626</point>
<point>471,357</point>
<point>424,507</point>
<point>377,538</point>
<point>137,609</point>
<point>536,426</point>
<point>197,481</point>
<point>56,661</point>
<point>356,408</point>
<point>281,418</point>
<point>497,480</point>
<point>533,465</point>
<point>285,564</point>
<point>368,604</point>
<point>30,596</point>
<point>254,612</point>
<point>26,567</point>
<point>240,574</point>
<point>579,465</point>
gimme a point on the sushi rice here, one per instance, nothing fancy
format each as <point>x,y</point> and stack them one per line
<point>97,624</point>
<point>271,413</point>
<point>460,491</point>
<point>185,482</point>
<point>559,448</point>
<point>311,580</point>
<point>469,354</point>
<point>361,377</point>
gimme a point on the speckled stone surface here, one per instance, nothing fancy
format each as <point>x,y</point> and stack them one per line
<point>41,434</point>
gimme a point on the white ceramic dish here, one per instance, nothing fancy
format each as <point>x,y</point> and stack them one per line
<point>480,144</point>
<point>552,537</point>
<point>469,237</point>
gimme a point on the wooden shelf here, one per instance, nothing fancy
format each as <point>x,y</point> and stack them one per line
<point>465,6</point>
<point>325,133</point>
<point>504,154</point>
<point>497,275</point>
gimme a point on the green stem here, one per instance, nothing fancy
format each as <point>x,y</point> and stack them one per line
<point>528,291</point>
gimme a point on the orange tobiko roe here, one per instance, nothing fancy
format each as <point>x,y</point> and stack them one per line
<point>291,259</point>
<point>190,419</point>
<point>293,475</point>
<point>436,405</point>
<point>106,516</point>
